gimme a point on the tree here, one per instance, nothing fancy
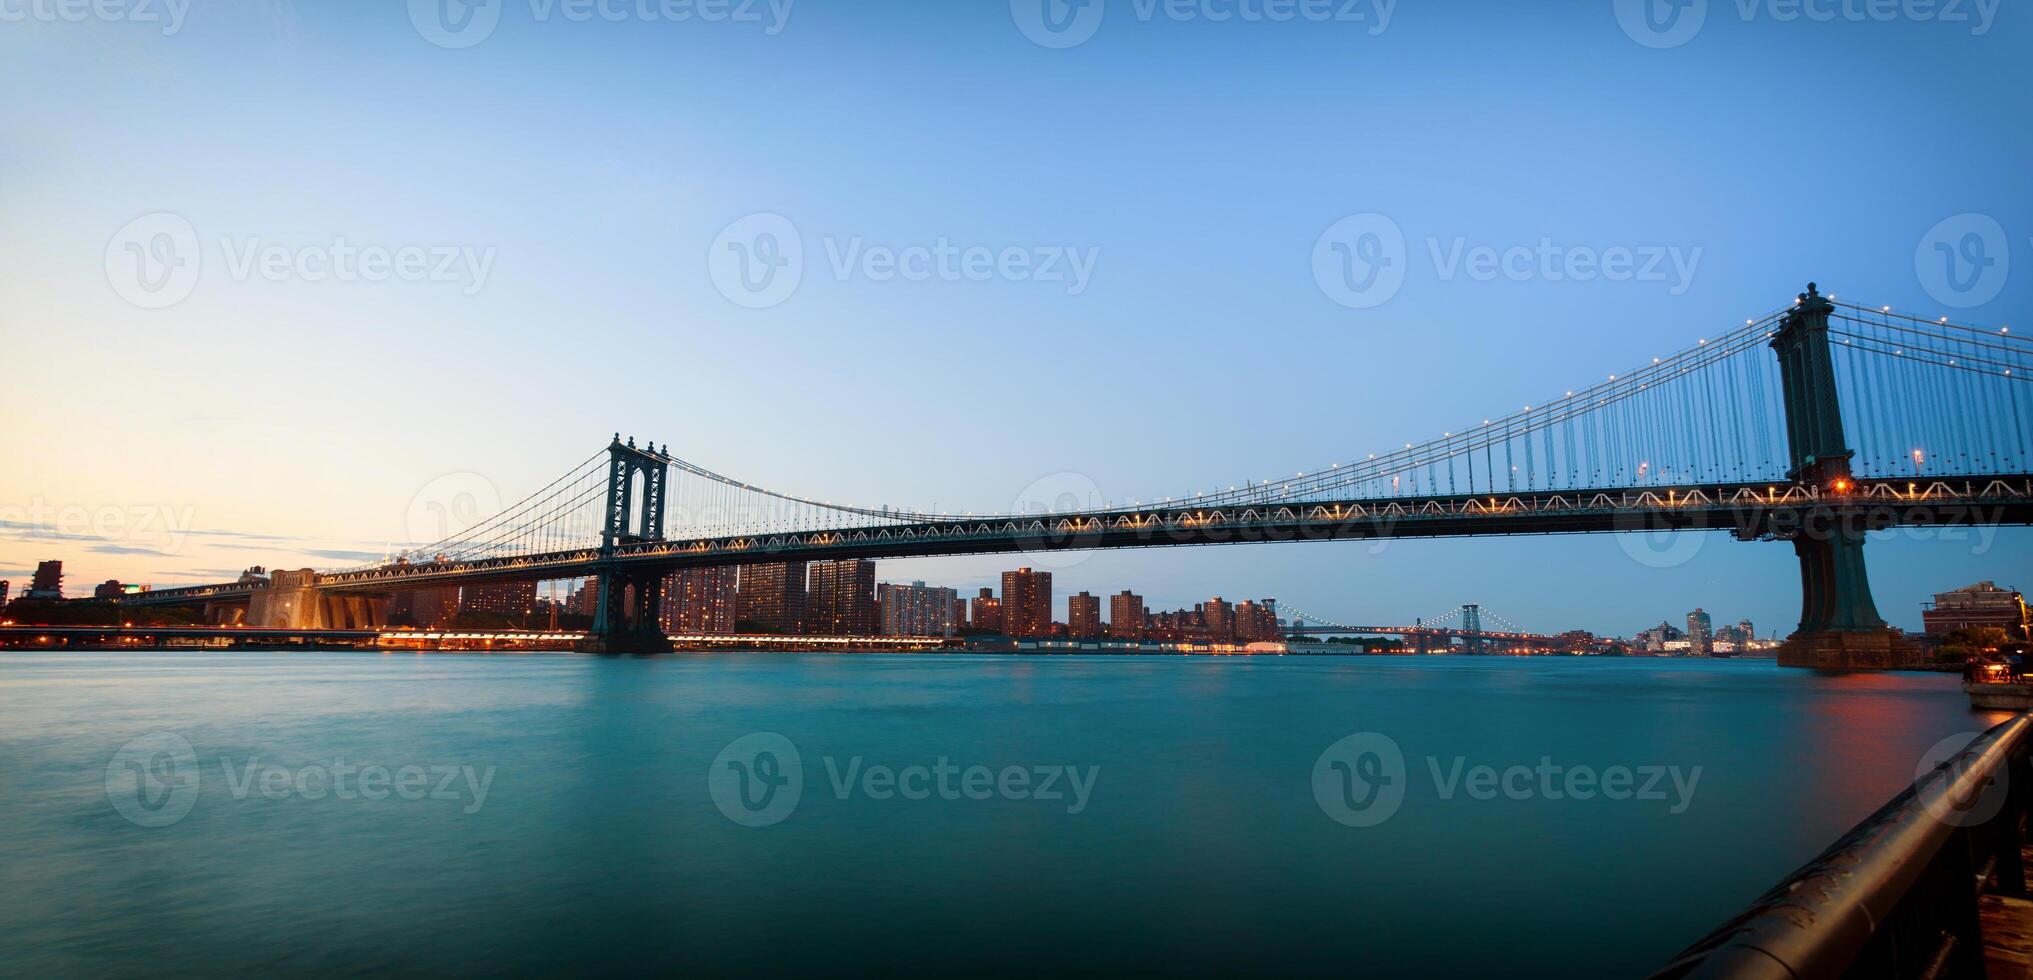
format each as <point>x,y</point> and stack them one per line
<point>1972,641</point>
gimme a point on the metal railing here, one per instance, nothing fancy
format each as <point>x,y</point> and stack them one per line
<point>1899,894</point>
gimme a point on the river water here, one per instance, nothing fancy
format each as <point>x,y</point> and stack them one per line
<point>296,813</point>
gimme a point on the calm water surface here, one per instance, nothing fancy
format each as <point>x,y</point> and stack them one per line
<point>597,845</point>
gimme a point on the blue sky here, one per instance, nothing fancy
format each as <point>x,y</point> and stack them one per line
<point>567,178</point>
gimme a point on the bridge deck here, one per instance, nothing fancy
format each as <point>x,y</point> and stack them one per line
<point>1750,509</point>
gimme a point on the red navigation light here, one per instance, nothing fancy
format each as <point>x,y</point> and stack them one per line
<point>1842,485</point>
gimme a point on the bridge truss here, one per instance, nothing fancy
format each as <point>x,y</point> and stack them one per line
<point>1866,418</point>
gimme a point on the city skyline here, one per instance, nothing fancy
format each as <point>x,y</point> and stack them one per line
<point>846,598</point>
<point>1153,487</point>
<point>583,256</point>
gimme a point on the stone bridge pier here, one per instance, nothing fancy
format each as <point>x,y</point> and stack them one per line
<point>293,600</point>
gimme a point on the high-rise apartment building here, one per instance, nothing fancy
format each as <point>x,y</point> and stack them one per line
<point>1700,633</point>
<point>1027,603</point>
<point>771,597</point>
<point>1220,619</point>
<point>1257,622</point>
<point>985,612</point>
<point>840,598</point>
<point>48,582</point>
<point>1083,616</point>
<point>424,608</point>
<point>700,600</point>
<point>586,601</point>
<point>916,609</point>
<point>499,598</point>
<point>1126,615</point>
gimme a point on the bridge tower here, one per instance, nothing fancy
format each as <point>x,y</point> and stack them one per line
<point>628,616</point>
<point>1839,623</point>
<point>1471,624</point>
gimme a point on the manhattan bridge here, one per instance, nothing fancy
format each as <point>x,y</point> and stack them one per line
<point>1813,424</point>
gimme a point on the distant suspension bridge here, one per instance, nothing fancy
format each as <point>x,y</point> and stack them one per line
<point>1811,424</point>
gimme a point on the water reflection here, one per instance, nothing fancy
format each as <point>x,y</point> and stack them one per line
<point>600,849</point>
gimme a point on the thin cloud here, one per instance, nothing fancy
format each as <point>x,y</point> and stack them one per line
<point>123,549</point>
<point>17,531</point>
<point>338,555</point>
